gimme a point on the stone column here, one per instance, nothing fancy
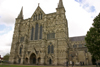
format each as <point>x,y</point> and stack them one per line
<point>36,60</point>
<point>42,61</point>
<point>22,61</point>
<point>55,61</point>
<point>28,60</point>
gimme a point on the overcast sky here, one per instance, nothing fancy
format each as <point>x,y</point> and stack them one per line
<point>79,13</point>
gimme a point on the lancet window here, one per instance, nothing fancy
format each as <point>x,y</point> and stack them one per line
<point>50,49</point>
<point>41,16</point>
<point>20,52</point>
<point>37,16</point>
<point>32,33</point>
<point>41,32</point>
<point>36,31</point>
<point>34,18</point>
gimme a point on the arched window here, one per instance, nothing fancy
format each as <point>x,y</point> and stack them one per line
<point>34,18</point>
<point>41,32</point>
<point>36,31</point>
<point>48,49</point>
<point>32,33</point>
<point>41,16</point>
<point>52,49</point>
<point>20,52</point>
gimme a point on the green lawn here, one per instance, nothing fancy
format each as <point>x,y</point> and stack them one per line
<point>38,66</point>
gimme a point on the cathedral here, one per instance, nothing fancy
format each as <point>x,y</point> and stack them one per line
<point>43,39</point>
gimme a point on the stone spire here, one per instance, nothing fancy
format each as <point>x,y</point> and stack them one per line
<point>60,4</point>
<point>20,16</point>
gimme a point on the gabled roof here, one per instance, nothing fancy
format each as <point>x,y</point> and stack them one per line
<point>79,38</point>
<point>38,10</point>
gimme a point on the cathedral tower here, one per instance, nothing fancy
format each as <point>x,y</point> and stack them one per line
<point>16,35</point>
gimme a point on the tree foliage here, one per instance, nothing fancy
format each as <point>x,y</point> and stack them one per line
<point>93,38</point>
<point>6,57</point>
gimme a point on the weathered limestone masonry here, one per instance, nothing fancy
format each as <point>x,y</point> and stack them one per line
<point>43,39</point>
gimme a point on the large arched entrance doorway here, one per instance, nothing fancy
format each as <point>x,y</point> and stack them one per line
<point>50,61</point>
<point>39,59</point>
<point>33,59</point>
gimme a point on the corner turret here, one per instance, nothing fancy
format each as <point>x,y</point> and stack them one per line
<point>60,8</point>
<point>20,16</point>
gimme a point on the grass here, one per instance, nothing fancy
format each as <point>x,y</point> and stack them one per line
<point>3,65</point>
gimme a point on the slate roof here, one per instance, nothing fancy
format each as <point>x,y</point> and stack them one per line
<point>78,38</point>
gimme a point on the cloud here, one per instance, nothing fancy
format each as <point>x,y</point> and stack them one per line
<point>4,50</point>
<point>4,29</point>
<point>92,8</point>
<point>80,1</point>
<point>86,5</point>
<point>5,42</point>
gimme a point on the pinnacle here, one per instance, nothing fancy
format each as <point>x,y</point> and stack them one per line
<point>60,4</point>
<point>20,16</point>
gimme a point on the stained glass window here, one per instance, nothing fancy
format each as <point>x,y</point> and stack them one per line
<point>48,49</point>
<point>52,49</point>
<point>32,33</point>
<point>41,32</point>
<point>34,17</point>
<point>20,50</point>
<point>41,16</point>
<point>36,31</point>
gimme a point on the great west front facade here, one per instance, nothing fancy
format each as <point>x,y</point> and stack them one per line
<point>43,39</point>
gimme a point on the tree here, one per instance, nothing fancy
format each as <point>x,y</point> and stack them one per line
<point>6,57</point>
<point>93,38</point>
